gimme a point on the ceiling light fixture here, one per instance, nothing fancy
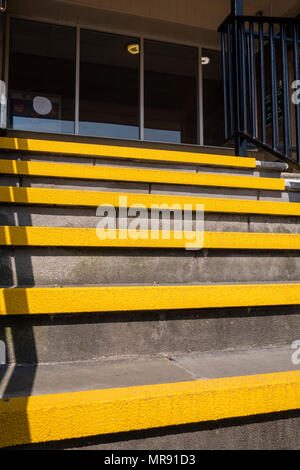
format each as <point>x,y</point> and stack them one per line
<point>3,6</point>
<point>133,48</point>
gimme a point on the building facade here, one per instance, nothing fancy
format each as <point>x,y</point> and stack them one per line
<point>116,69</point>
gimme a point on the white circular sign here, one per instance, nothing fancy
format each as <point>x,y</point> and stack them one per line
<point>42,105</point>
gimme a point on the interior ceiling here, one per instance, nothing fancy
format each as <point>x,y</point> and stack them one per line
<point>206,14</point>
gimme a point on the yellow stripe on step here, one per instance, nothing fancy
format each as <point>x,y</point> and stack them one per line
<point>70,197</point>
<point>61,416</point>
<point>87,237</point>
<point>57,300</point>
<point>62,170</point>
<point>92,150</point>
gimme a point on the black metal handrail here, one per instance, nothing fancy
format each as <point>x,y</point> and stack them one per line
<point>260,57</point>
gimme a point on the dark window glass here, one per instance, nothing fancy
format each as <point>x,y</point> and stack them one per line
<point>42,77</point>
<point>109,85</point>
<point>213,100</point>
<point>171,93</point>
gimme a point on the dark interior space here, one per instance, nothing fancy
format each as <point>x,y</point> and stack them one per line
<point>171,93</point>
<point>109,85</point>
<point>42,77</point>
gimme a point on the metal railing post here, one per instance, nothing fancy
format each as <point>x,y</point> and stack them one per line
<point>257,68</point>
<point>240,143</point>
<point>3,84</point>
<point>237,7</point>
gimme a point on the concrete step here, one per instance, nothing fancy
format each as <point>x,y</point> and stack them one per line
<point>72,266</point>
<point>85,217</point>
<point>167,189</point>
<point>139,238</point>
<point>124,298</point>
<point>51,256</point>
<point>147,153</point>
<point>178,190</point>
<point>85,336</point>
<point>75,208</point>
<point>121,152</point>
<point>208,163</point>
<point>110,398</point>
<point>69,324</point>
<point>91,198</point>
<point>138,175</point>
<point>129,143</point>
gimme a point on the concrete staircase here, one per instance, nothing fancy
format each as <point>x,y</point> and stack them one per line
<point>141,344</point>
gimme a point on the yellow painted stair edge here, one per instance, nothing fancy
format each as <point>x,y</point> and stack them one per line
<point>107,173</point>
<point>55,417</point>
<point>110,151</point>
<point>59,300</point>
<point>88,237</point>
<point>71,197</point>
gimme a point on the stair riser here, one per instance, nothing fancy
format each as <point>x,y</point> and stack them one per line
<point>85,217</point>
<point>58,266</point>
<point>61,338</point>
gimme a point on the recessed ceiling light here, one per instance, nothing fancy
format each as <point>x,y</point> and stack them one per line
<point>205,60</point>
<point>133,48</point>
<point>3,5</point>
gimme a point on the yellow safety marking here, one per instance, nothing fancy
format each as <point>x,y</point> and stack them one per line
<point>61,416</point>
<point>57,300</point>
<point>87,237</point>
<point>71,197</point>
<point>73,148</point>
<point>62,170</point>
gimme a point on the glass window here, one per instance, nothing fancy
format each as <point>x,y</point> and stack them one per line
<point>42,77</point>
<point>213,100</point>
<point>171,93</point>
<point>109,85</point>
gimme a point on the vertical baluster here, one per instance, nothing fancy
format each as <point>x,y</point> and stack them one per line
<point>243,79</point>
<point>230,77</point>
<point>275,124</point>
<point>236,88</point>
<point>297,78</point>
<point>262,83</point>
<point>286,98</point>
<point>248,78</point>
<point>252,79</point>
<point>224,67</point>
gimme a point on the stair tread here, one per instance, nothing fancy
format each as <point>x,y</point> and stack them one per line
<point>110,173</point>
<point>52,417</point>
<point>88,237</point>
<point>220,364</point>
<point>90,375</point>
<point>58,300</point>
<point>91,198</point>
<point>118,372</point>
<point>121,152</point>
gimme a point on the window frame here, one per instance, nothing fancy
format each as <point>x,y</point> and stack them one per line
<point>101,28</point>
